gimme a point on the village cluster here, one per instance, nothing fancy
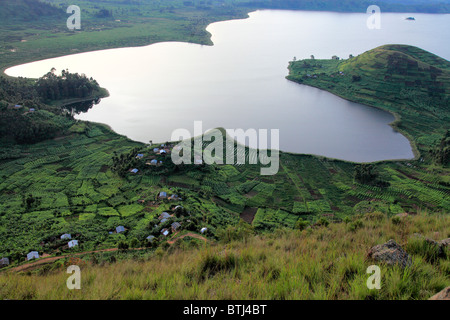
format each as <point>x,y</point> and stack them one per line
<point>162,219</point>
<point>163,150</point>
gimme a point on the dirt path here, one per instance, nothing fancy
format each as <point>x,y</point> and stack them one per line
<point>44,260</point>
<point>193,235</point>
<point>30,265</point>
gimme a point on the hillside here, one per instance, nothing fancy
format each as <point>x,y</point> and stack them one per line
<point>323,262</point>
<point>81,181</point>
<point>405,80</point>
<point>27,11</point>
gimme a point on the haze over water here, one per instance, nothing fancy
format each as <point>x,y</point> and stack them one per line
<point>240,81</point>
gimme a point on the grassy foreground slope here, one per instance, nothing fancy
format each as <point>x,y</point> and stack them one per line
<point>407,81</point>
<point>317,263</point>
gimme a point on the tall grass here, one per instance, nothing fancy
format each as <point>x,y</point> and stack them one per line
<point>319,263</point>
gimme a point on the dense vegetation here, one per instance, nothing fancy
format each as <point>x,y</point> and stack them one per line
<point>316,263</point>
<point>65,86</point>
<point>25,113</point>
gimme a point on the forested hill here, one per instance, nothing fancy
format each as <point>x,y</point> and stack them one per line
<point>30,111</point>
<point>27,10</point>
<point>406,80</point>
<point>432,6</point>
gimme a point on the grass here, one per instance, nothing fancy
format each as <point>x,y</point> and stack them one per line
<point>318,263</point>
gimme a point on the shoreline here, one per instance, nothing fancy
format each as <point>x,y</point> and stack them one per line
<point>393,124</point>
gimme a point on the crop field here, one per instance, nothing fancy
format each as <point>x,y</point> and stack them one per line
<point>66,185</point>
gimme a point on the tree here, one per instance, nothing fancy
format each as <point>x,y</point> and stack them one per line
<point>301,224</point>
<point>134,243</point>
<point>312,57</point>
<point>122,245</point>
<point>365,173</point>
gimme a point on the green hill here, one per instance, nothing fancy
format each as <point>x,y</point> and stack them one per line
<point>27,10</point>
<point>411,83</point>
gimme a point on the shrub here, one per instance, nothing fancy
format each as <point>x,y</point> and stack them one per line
<point>212,264</point>
<point>322,222</point>
<point>122,245</point>
<point>301,224</point>
<point>355,225</point>
<point>396,220</point>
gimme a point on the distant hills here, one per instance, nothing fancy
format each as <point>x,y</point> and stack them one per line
<point>27,10</point>
<point>431,6</point>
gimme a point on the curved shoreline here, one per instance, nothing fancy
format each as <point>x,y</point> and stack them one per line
<point>393,124</point>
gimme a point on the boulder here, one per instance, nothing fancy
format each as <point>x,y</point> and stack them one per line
<point>441,245</point>
<point>442,295</point>
<point>390,253</point>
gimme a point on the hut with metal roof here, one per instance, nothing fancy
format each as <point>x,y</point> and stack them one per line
<point>73,243</point>
<point>66,236</point>
<point>32,255</point>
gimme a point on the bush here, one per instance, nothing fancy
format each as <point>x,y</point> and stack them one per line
<point>301,224</point>
<point>211,264</point>
<point>355,225</point>
<point>396,220</point>
<point>122,245</point>
<point>322,222</point>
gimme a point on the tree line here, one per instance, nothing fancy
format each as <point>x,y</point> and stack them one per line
<point>65,86</point>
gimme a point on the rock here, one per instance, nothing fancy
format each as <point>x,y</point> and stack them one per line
<point>440,244</point>
<point>444,243</point>
<point>442,295</point>
<point>390,253</point>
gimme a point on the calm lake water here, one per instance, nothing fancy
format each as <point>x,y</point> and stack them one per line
<point>240,82</point>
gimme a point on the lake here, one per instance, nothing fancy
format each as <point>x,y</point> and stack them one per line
<point>240,82</point>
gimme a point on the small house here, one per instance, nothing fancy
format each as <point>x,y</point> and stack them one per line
<point>17,106</point>
<point>4,262</point>
<point>73,243</point>
<point>164,220</point>
<point>164,215</point>
<point>33,255</point>
<point>156,150</point>
<point>163,195</point>
<point>162,151</point>
<point>120,229</point>
<point>150,238</point>
<point>32,110</point>
<point>175,226</point>
<point>165,232</point>
<point>66,236</point>
<point>174,197</point>
<point>139,156</point>
<point>203,230</point>
<point>154,162</point>
<point>134,171</point>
